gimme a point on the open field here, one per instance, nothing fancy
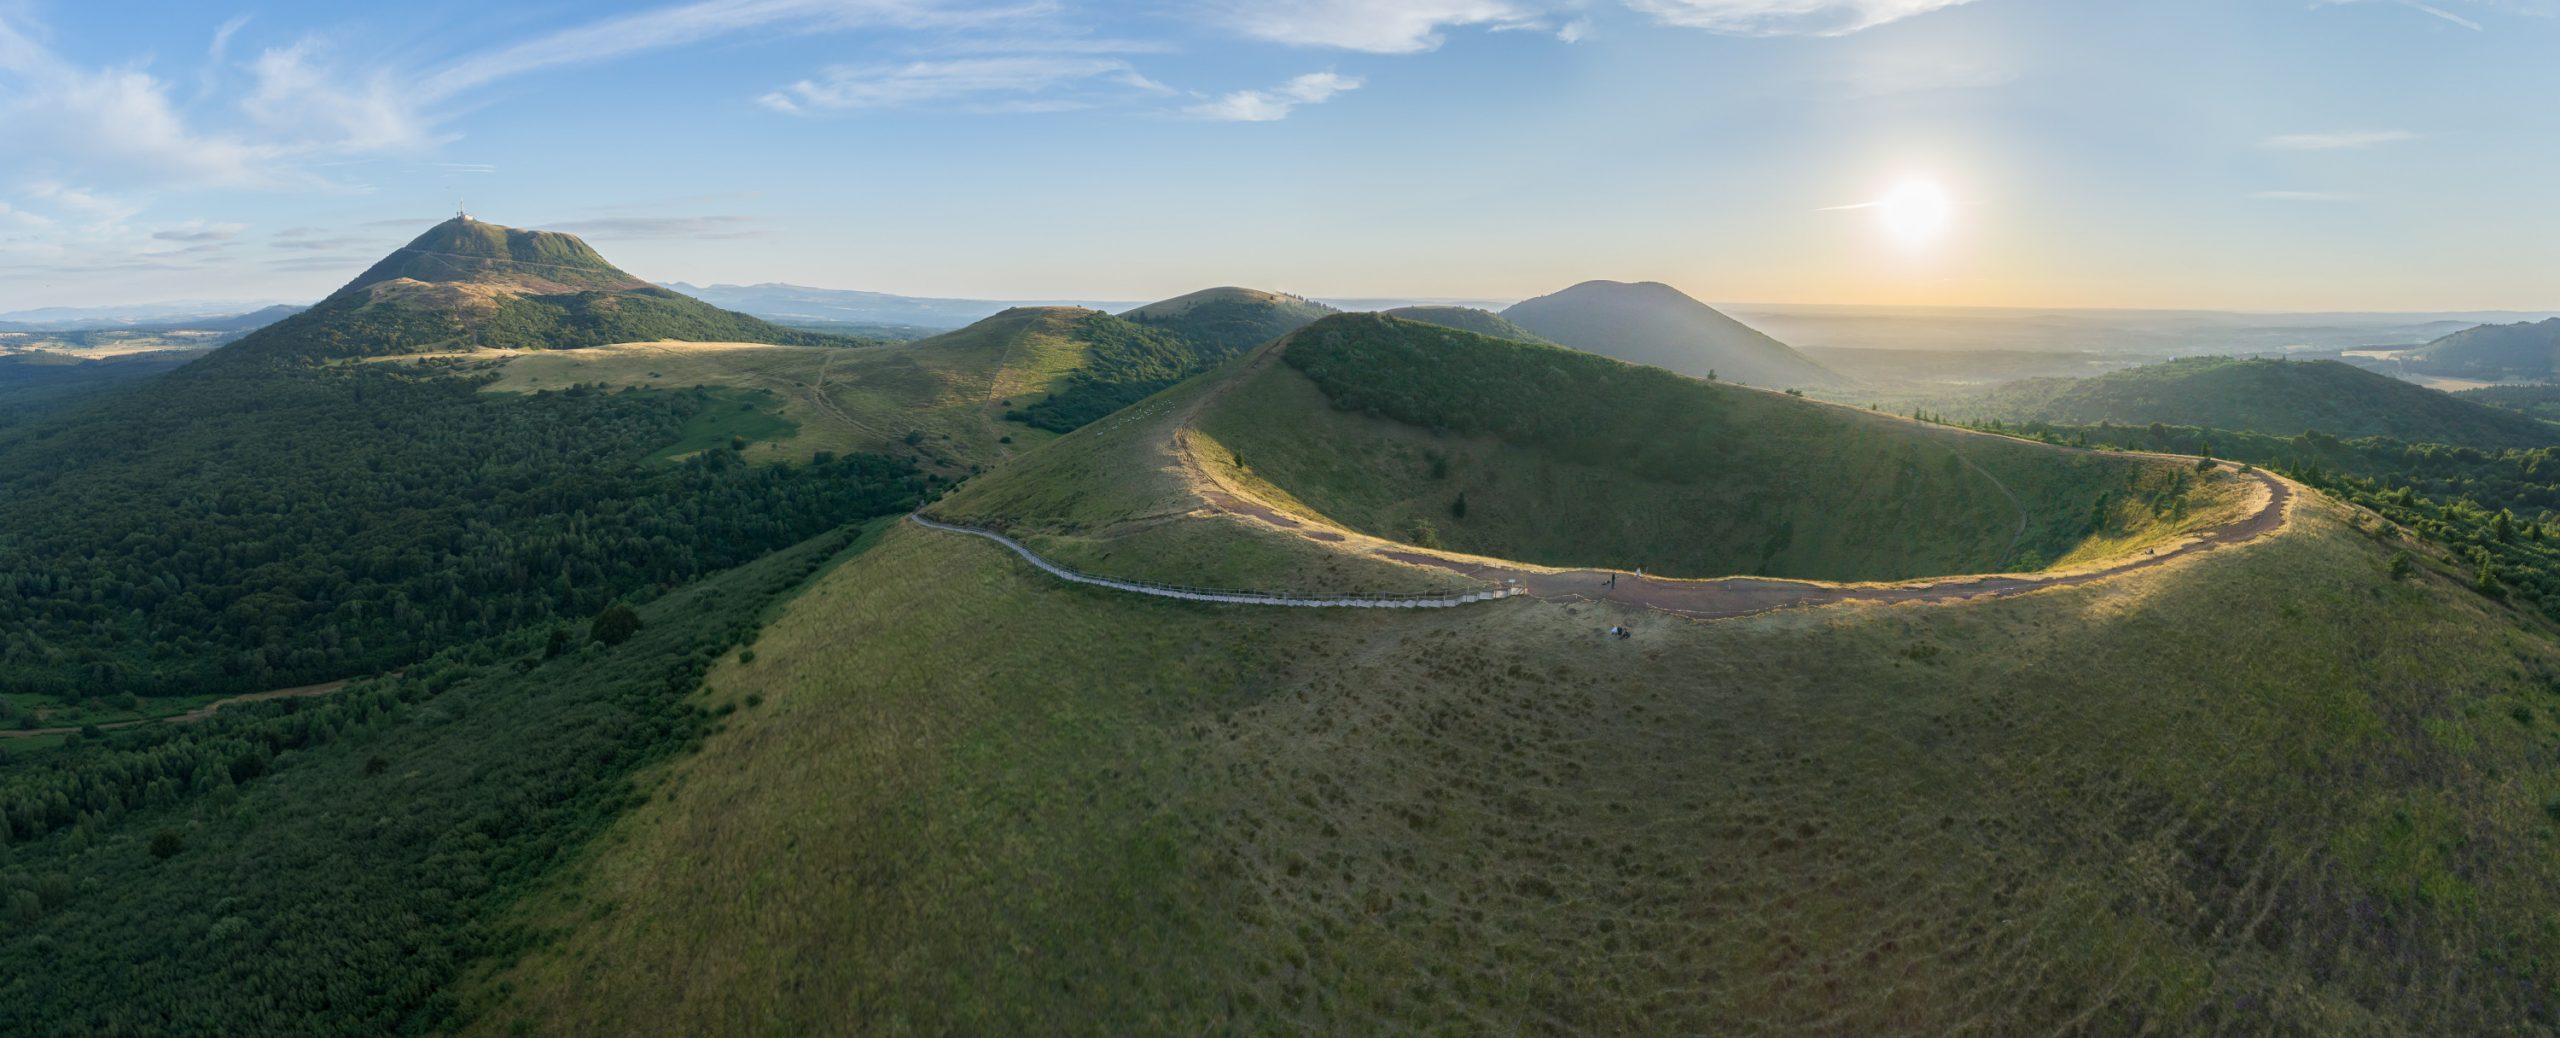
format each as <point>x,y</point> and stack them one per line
<point>841,400</point>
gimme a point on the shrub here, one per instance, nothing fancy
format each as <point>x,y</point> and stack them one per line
<point>2402,564</point>
<point>1423,534</point>
<point>1458,508</point>
<point>166,844</point>
<point>615,625</point>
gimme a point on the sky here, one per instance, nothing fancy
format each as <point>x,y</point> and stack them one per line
<point>2363,155</point>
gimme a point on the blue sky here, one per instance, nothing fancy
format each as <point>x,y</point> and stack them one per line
<point>2243,154</point>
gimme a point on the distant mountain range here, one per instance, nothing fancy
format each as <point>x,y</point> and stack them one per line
<point>2279,398</point>
<point>466,284</point>
<point>208,317</point>
<point>790,304</point>
<point>1656,324</point>
<point>2161,333</point>
<point>2493,352</point>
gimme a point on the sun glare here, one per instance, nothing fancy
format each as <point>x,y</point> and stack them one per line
<point>1915,212</point>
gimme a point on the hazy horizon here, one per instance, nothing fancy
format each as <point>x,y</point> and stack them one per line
<point>2337,156</point>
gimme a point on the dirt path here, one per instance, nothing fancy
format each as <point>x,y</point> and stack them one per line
<point>197,714</point>
<point>1719,597</point>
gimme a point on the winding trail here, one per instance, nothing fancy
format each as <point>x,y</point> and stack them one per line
<point>1707,599</point>
<point>1222,597</point>
<point>197,714</point>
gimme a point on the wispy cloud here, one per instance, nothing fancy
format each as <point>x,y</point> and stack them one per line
<point>1787,17</point>
<point>1262,106</point>
<point>307,103</point>
<point>1000,79</point>
<point>2420,6</point>
<point>2431,9</point>
<point>2335,141</point>
<point>200,231</point>
<point>1376,26</point>
<point>114,121</point>
<point>665,27</point>
<point>2304,196</point>
<point>13,216</point>
<point>1411,26</point>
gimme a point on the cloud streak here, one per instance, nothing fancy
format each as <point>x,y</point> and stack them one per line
<point>1787,17</point>
<point>1375,26</point>
<point>2337,141</point>
<point>1010,79</point>
<point>667,27</point>
<point>1262,106</point>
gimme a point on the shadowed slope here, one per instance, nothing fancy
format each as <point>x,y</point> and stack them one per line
<point>1467,319</point>
<point>2493,351</point>
<point>2281,398</point>
<point>1656,324</point>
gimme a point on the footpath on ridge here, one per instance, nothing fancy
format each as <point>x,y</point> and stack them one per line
<point>1712,598</point>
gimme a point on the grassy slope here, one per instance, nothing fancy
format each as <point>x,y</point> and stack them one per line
<point>954,388</point>
<point>1104,499</point>
<point>1226,321</point>
<point>472,250</point>
<point>2281,398</point>
<point>1586,461</point>
<point>978,800</point>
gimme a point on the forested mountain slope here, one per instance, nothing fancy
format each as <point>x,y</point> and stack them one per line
<point>1658,325</point>
<point>268,517</point>
<point>2493,351</point>
<point>2267,396</point>
<point>465,284</point>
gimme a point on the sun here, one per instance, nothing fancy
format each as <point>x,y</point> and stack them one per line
<point>1915,213</point>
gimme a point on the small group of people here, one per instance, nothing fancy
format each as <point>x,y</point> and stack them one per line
<point>1612,582</point>
<point>1621,632</point>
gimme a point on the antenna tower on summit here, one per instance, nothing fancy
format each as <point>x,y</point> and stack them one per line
<point>460,213</point>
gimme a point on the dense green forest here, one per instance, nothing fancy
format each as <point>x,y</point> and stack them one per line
<point>2539,401</point>
<point>233,528</point>
<point>331,866</point>
<point>2278,397</point>
<point>33,385</point>
<point>1124,363</point>
<point>353,325</point>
